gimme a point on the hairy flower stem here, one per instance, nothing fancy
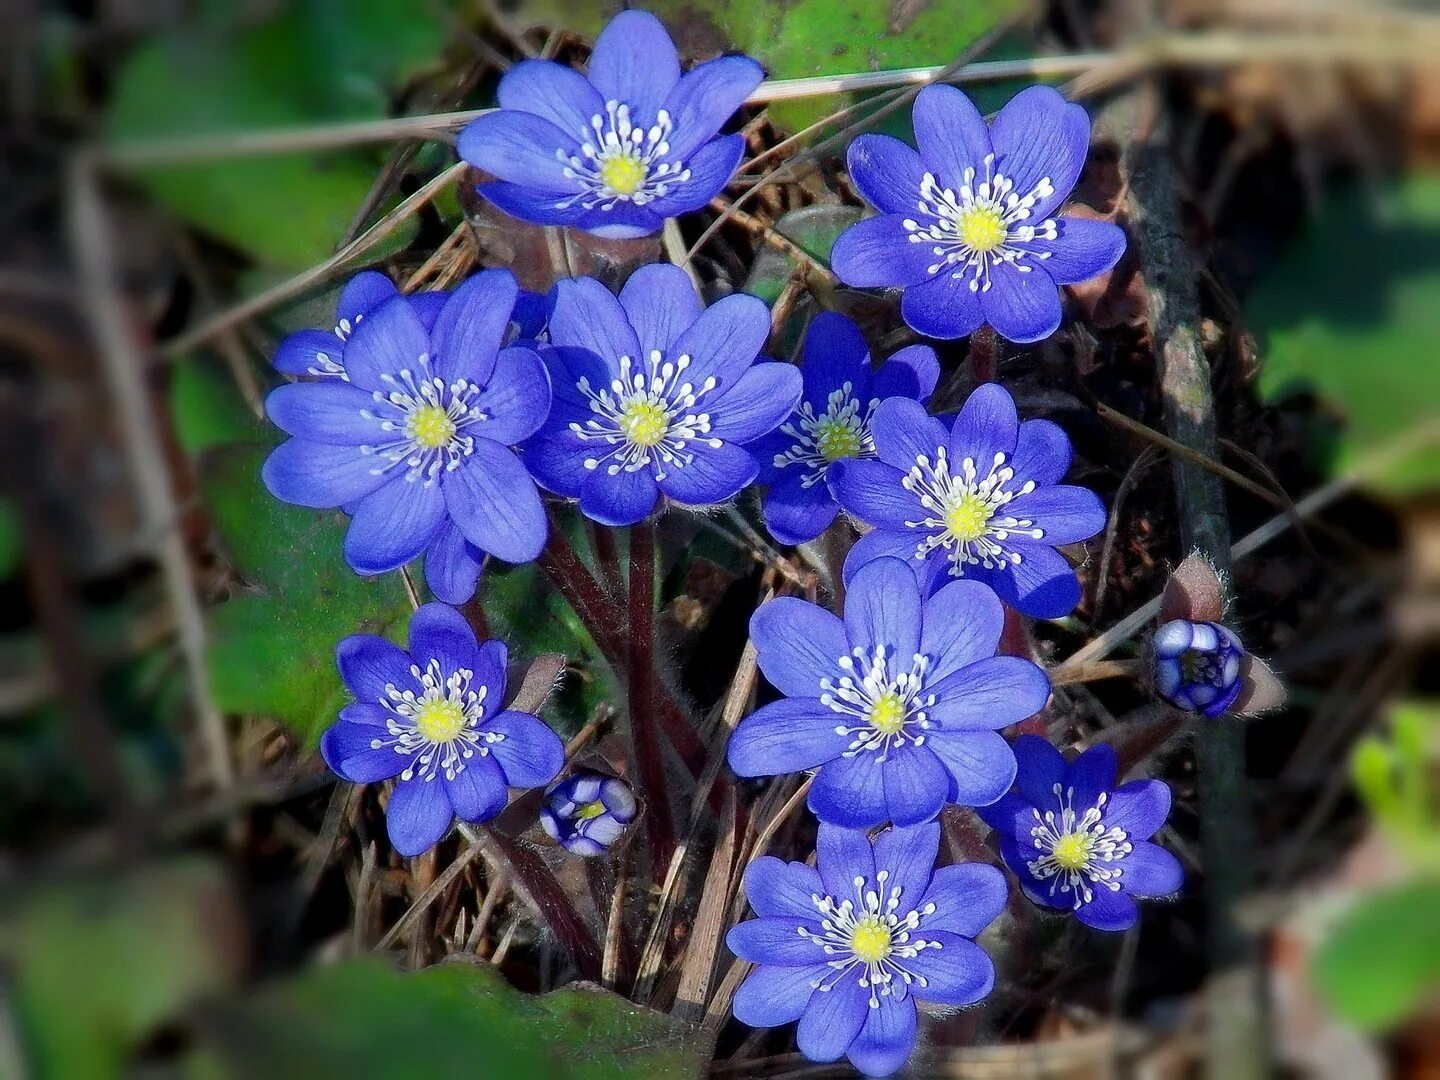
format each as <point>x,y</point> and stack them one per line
<point>608,558</point>
<point>644,738</point>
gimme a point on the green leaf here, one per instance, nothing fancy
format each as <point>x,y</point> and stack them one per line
<point>456,1019</point>
<point>101,965</point>
<point>272,651</point>
<point>207,408</point>
<point>814,229</point>
<point>1384,956</point>
<point>1349,312</point>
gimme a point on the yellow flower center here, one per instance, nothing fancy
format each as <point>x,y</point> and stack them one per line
<point>590,810</point>
<point>644,423</point>
<point>836,440</point>
<point>440,721</point>
<point>1072,851</point>
<point>887,715</point>
<point>431,427</point>
<point>968,518</point>
<point>870,940</point>
<point>981,227</point>
<point>623,175</point>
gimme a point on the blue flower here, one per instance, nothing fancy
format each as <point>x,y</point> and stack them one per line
<point>832,422</point>
<point>587,812</point>
<point>415,442</point>
<point>1198,666</point>
<point>967,226</point>
<point>433,717</point>
<point>320,353</point>
<point>1078,843</point>
<point>981,501</point>
<point>655,395</point>
<point>897,706</point>
<point>619,151</point>
<point>848,947</point>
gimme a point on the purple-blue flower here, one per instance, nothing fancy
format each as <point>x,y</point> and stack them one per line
<point>848,948</point>
<point>832,422</point>
<point>587,812</point>
<point>897,706</point>
<point>1198,666</point>
<point>415,441</point>
<point>433,716</point>
<point>968,226</point>
<point>982,500</point>
<point>320,353</point>
<point>617,151</point>
<point>1077,842</point>
<point>655,394</point>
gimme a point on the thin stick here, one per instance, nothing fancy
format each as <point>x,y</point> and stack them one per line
<point>429,896</point>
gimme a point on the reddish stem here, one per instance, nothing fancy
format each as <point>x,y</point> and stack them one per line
<point>534,877</point>
<point>984,354</point>
<point>608,558</point>
<point>644,739</point>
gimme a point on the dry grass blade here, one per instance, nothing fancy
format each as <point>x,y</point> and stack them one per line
<point>428,897</point>
<point>709,925</point>
<point>499,886</point>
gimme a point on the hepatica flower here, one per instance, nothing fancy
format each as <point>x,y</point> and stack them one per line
<point>433,717</point>
<point>848,947</point>
<point>1197,666</point>
<point>968,224</point>
<point>832,422</point>
<point>896,706</point>
<point>587,812</point>
<point>1078,843</point>
<point>619,150</point>
<point>982,501</point>
<point>320,353</point>
<point>415,441</point>
<point>655,395</point>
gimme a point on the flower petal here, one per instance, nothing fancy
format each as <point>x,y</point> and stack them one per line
<point>882,608</point>
<point>1041,768</point>
<point>962,624</point>
<point>362,294</point>
<point>520,148</point>
<point>589,317</point>
<point>706,97</point>
<point>491,660</point>
<point>332,412</point>
<point>725,340</point>
<point>771,996</point>
<point>832,1019</point>
<point>1082,249</point>
<point>980,763</point>
<point>438,632</point>
<point>878,253</point>
<point>1150,870</point>
<point>321,475</point>
<point>713,475</point>
<point>785,736</point>
<point>537,207</point>
<point>887,172</point>
<point>710,168</point>
<point>968,897</point>
<point>568,365</point>
<point>387,340</point>
<point>1039,135</point>
<point>987,426</point>
<point>911,372</point>
<point>554,92</point>
<point>369,665</point>
<point>959,972</point>
<point>621,221</point>
<point>393,525</point>
<point>916,784</point>
<point>797,644</point>
<point>776,887</point>
<point>516,403</point>
<point>634,62</point>
<point>887,1040</point>
<point>1022,306</point>
<point>1139,808</point>
<point>943,307</point>
<point>1112,911</point>
<point>1042,453</point>
<point>1091,774</point>
<point>557,462</point>
<point>908,856</point>
<point>452,565</point>
<point>794,513</point>
<point>776,941</point>
<point>951,135</point>
<point>879,543</point>
<point>850,792</point>
<point>530,754</point>
<point>834,353</point>
<point>309,352</point>
<point>1066,514</point>
<point>346,749</point>
<point>757,403</point>
<point>418,816</point>
<point>622,499</point>
<point>478,791</point>
<point>660,301</point>
<point>472,325</point>
<point>495,504</point>
<point>991,693</point>
<point>842,855</point>
<point>1042,585</point>
<point>872,491</point>
<point>905,432</point>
